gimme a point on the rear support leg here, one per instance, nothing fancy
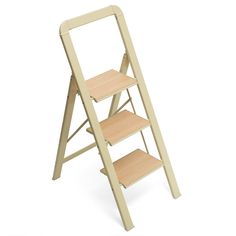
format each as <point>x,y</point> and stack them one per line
<point>65,128</point>
<point>116,98</point>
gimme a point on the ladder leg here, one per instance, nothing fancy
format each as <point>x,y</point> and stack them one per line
<point>147,105</point>
<point>116,98</point>
<point>65,129</point>
<point>165,159</point>
<point>159,140</point>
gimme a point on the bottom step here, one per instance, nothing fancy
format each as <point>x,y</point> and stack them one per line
<point>134,166</point>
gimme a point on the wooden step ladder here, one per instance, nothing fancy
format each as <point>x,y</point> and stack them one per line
<point>120,123</point>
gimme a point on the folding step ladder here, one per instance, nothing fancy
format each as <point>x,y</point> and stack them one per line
<point>120,124</point>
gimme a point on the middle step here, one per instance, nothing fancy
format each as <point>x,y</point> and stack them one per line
<point>121,126</point>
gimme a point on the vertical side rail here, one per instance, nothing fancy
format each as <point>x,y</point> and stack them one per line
<point>101,144</point>
<point>116,98</point>
<point>147,102</point>
<point>65,128</point>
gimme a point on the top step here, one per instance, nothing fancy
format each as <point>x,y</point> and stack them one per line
<point>108,84</point>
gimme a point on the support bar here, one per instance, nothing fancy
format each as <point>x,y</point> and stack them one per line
<point>75,154</point>
<point>124,104</point>
<point>77,130</point>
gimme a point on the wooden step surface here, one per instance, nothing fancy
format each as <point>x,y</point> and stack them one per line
<point>134,166</point>
<point>121,126</point>
<point>108,84</point>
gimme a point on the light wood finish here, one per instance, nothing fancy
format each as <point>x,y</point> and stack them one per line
<point>108,84</point>
<point>134,166</point>
<point>116,98</point>
<point>121,126</point>
<point>81,86</point>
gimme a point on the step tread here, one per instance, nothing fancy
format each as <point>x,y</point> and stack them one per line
<point>134,166</point>
<point>120,126</point>
<point>108,84</point>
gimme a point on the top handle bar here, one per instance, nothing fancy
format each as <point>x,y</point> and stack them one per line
<point>68,25</point>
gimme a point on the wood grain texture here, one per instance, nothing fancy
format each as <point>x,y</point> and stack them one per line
<point>121,126</point>
<point>108,84</point>
<point>134,166</point>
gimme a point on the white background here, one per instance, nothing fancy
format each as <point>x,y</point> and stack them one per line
<point>187,53</point>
